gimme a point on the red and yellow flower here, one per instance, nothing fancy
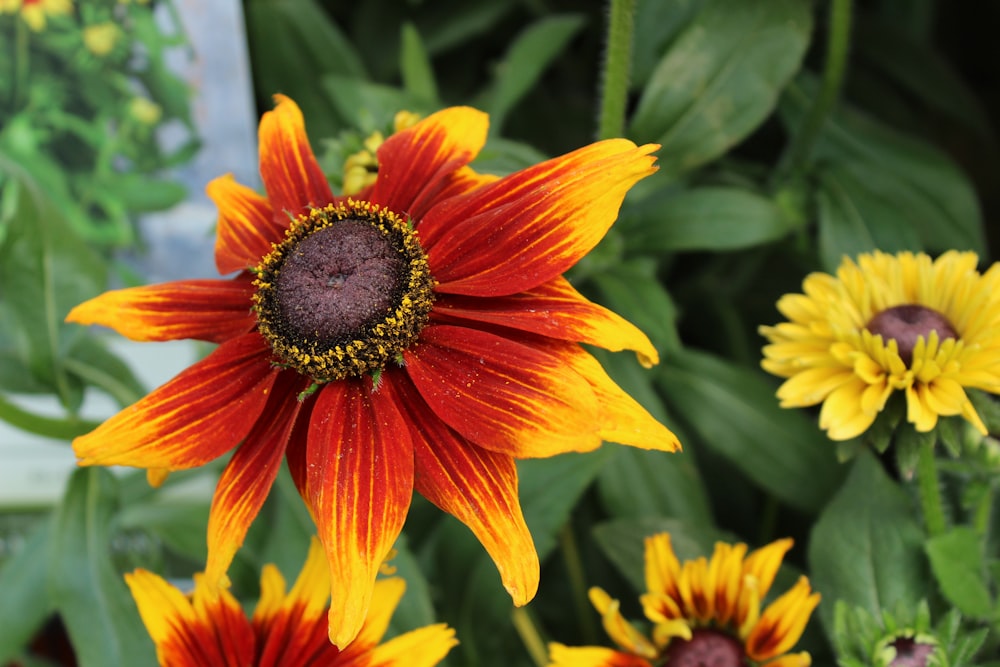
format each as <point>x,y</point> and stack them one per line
<point>209,628</point>
<point>419,335</point>
<point>704,612</point>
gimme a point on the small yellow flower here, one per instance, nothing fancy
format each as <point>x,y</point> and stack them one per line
<point>145,111</point>
<point>100,38</point>
<point>35,12</point>
<point>361,168</point>
<point>886,323</point>
<point>703,612</point>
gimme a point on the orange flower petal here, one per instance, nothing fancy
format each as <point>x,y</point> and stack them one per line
<point>476,486</point>
<point>385,598</point>
<point>247,479</point>
<point>591,656</point>
<point>288,167</point>
<point>195,418</point>
<point>423,647</point>
<point>207,631</point>
<point>533,225</point>
<point>502,395</point>
<point>554,309</point>
<point>247,226</point>
<point>418,163</point>
<point>782,623</point>
<point>359,484</point>
<point>211,310</point>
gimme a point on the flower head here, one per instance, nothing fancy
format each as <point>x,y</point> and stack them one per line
<point>209,629</point>
<point>703,612</point>
<point>35,12</point>
<point>100,38</point>
<point>418,335</point>
<point>887,323</point>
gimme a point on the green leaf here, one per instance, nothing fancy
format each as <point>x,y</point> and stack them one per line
<point>362,104</point>
<point>90,595</point>
<point>734,412</point>
<point>49,427</point>
<point>415,610</point>
<point>632,290</point>
<point>705,218</point>
<point>415,66</point>
<point>91,362</point>
<point>957,562</point>
<point>657,23</point>
<point>893,181</point>
<point>25,603</point>
<point>531,53</point>
<point>721,78</point>
<point>866,547</point>
<point>139,193</point>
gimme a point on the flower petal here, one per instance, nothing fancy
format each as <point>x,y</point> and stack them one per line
<point>195,418</point>
<point>554,309</point>
<point>476,486</point>
<point>423,647</point>
<point>531,226</point>
<point>782,623</point>
<point>210,310</point>
<point>502,395</point>
<point>418,163</point>
<point>247,226</point>
<point>245,483</point>
<point>591,656</point>
<point>359,484</point>
<point>207,631</point>
<point>292,176</point>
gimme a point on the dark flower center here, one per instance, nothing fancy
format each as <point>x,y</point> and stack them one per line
<point>346,291</point>
<point>706,648</point>
<point>911,653</point>
<point>905,324</point>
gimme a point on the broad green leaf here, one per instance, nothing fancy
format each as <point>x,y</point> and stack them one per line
<point>895,181</point>
<point>734,411</point>
<point>528,57</point>
<point>623,542</point>
<point>657,23</point>
<point>90,595</point>
<point>957,562</point>
<point>866,547</point>
<point>854,219</point>
<point>502,156</point>
<point>706,218</point>
<point>294,45</point>
<point>721,78</point>
<point>49,427</point>
<point>415,66</point>
<point>415,610</point>
<point>632,290</point>
<point>636,482</point>
<point>362,104</point>
<point>25,602</point>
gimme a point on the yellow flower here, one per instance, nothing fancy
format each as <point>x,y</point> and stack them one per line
<point>100,38</point>
<point>34,12</point>
<point>287,628</point>
<point>361,168</point>
<point>889,323</point>
<point>145,111</point>
<point>703,612</point>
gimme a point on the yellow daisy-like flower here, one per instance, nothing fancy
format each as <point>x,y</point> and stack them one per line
<point>35,12</point>
<point>287,628</point>
<point>704,612</point>
<point>900,322</point>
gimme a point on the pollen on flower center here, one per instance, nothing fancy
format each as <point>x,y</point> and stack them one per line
<point>345,292</point>
<point>706,648</point>
<point>907,323</point>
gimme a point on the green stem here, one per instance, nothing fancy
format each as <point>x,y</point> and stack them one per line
<point>797,154</point>
<point>578,583</point>
<point>930,491</point>
<point>617,63</point>
<point>529,635</point>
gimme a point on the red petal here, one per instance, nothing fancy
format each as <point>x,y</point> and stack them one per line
<point>417,163</point>
<point>556,310</point>
<point>198,416</point>
<point>247,225</point>
<point>247,479</point>
<point>211,310</point>
<point>476,486</point>
<point>529,227</point>
<point>359,484</point>
<point>288,167</point>
<point>503,395</point>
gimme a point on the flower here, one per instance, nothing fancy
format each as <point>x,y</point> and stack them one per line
<point>210,629</point>
<point>145,110</point>
<point>889,323</point>
<point>35,12</point>
<point>361,168</point>
<point>706,612</point>
<point>100,38</point>
<point>420,336</point>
